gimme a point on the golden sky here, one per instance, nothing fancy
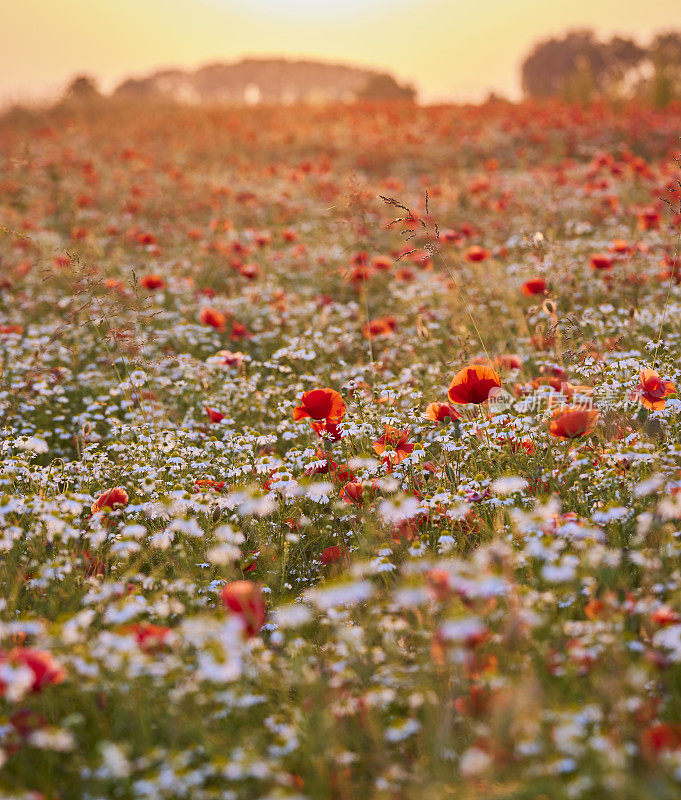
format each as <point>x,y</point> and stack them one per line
<point>456,49</point>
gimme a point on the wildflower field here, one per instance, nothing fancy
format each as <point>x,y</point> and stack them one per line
<point>341,453</point>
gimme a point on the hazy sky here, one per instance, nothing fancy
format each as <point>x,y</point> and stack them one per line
<point>449,48</point>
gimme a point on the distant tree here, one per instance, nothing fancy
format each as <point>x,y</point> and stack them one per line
<point>385,87</point>
<point>579,66</point>
<point>665,55</point>
<point>494,97</point>
<point>82,89</point>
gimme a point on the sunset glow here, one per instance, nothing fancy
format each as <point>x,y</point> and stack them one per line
<point>449,48</point>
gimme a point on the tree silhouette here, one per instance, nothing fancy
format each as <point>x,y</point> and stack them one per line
<point>579,66</point>
<point>82,89</point>
<point>665,54</point>
<point>385,87</point>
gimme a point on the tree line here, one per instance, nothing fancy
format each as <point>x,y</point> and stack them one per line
<point>580,67</point>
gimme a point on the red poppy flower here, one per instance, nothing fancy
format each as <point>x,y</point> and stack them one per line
<point>473,384</point>
<point>328,430</point>
<point>548,380</point>
<point>477,253</point>
<point>619,246</point>
<point>114,285</point>
<point>534,286</point>
<point>323,465</point>
<point>152,282</point>
<point>93,566</point>
<point>405,531</point>
<point>508,361</point>
<point>651,391</point>
<point>671,268</point>
<point>212,317</point>
<point>439,412</point>
<point>358,275</point>
<point>110,498</point>
<point>649,219</point>
<point>146,238</point>
<point>245,598</point>
<point>250,271</point>
<point>382,326</point>
<point>230,359</point>
<point>149,637</point>
<point>214,415</point>
<point>342,473</point>
<point>352,492</point>
<point>405,274</point>
<point>206,483</point>
<point>24,723</point>
<point>600,261</point>
<point>659,738</point>
<point>46,671</point>
<point>664,615</point>
<point>571,422</point>
<point>334,554</point>
<point>239,331</point>
<point>397,440</point>
<point>320,404</point>
<point>381,263</point>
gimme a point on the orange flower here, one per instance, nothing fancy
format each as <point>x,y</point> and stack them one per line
<point>438,412</point>
<point>245,598</point>
<point>320,404</point>
<point>396,439</point>
<point>117,496</point>
<point>533,286</point>
<point>213,317</point>
<point>571,422</point>
<point>473,384</point>
<point>651,391</point>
